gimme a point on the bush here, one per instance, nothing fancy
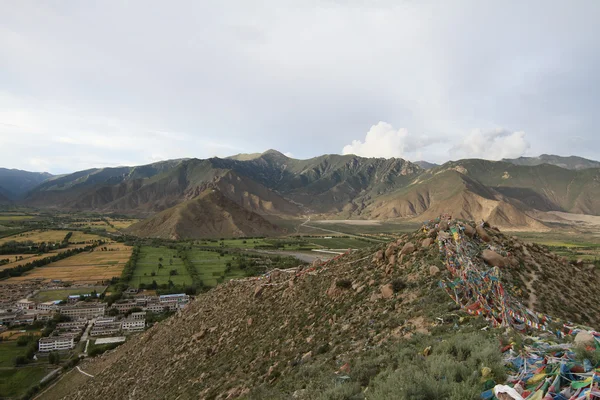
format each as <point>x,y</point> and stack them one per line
<point>343,283</point>
<point>398,285</point>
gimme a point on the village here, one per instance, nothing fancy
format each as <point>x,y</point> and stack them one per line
<point>80,318</point>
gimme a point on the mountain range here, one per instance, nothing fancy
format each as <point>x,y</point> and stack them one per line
<point>247,193</point>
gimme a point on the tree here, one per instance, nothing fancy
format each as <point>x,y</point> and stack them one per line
<point>173,272</point>
<point>54,358</point>
<point>152,273</point>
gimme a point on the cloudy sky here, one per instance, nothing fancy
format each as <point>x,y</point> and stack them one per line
<point>104,83</point>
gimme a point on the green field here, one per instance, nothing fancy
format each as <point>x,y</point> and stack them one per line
<point>8,352</point>
<point>148,263</point>
<point>62,294</point>
<point>234,243</point>
<point>341,243</point>
<point>15,382</point>
<point>211,266</point>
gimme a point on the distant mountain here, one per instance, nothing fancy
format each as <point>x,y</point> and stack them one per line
<point>271,184</point>
<point>572,162</point>
<point>15,183</point>
<point>210,214</point>
<point>4,199</point>
<point>426,165</point>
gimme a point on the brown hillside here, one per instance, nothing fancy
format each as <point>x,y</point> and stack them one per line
<point>451,192</point>
<point>307,332</point>
<point>210,214</point>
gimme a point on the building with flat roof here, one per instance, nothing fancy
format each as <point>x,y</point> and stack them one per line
<point>109,328</point>
<point>83,310</point>
<point>56,343</point>
<point>133,325</point>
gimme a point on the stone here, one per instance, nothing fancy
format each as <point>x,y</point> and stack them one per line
<point>250,320</point>
<point>298,394</point>
<point>483,233</point>
<point>426,242</point>
<point>360,289</point>
<point>408,248</point>
<point>378,256</point>
<point>391,249</point>
<point>469,230</point>
<point>306,357</point>
<point>389,269</point>
<point>579,262</point>
<point>434,270</point>
<point>392,260</point>
<point>584,339</point>
<point>387,292</point>
<point>493,258</point>
<point>258,291</point>
<point>371,282</point>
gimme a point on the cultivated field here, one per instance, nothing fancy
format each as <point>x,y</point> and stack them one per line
<point>15,217</point>
<point>87,268</point>
<point>62,294</point>
<point>16,258</point>
<point>15,382</point>
<point>79,237</point>
<point>122,223</point>
<point>148,264</point>
<point>211,266</point>
<point>336,242</point>
<point>37,236</point>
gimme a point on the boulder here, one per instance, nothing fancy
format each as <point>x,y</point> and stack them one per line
<point>378,256</point>
<point>493,258</point>
<point>387,291</point>
<point>426,242</point>
<point>469,230</point>
<point>434,270</point>
<point>306,357</point>
<point>483,233</point>
<point>392,259</point>
<point>408,248</point>
<point>258,291</point>
<point>391,250</point>
<point>584,339</point>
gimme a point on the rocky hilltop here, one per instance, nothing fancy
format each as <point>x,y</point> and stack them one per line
<point>401,320</point>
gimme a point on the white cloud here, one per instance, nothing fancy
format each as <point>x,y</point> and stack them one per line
<point>491,145</point>
<point>383,140</point>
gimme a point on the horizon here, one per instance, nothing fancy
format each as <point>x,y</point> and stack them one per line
<point>84,87</point>
<point>291,157</point>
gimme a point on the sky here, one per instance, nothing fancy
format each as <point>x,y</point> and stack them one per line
<point>105,83</point>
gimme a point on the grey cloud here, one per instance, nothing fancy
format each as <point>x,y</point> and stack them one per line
<point>210,78</point>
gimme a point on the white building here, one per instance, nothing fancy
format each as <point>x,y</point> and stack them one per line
<point>84,310</point>
<point>56,343</point>
<point>25,304</point>
<point>133,325</point>
<point>47,306</point>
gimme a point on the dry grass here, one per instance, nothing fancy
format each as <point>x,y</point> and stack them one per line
<point>14,335</point>
<point>29,257</point>
<point>84,237</point>
<point>37,236</point>
<point>87,268</point>
<point>122,223</point>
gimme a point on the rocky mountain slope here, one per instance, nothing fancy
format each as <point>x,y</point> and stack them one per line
<point>571,162</point>
<point>210,214</point>
<point>370,324</point>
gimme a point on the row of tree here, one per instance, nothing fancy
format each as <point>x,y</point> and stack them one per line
<point>21,269</point>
